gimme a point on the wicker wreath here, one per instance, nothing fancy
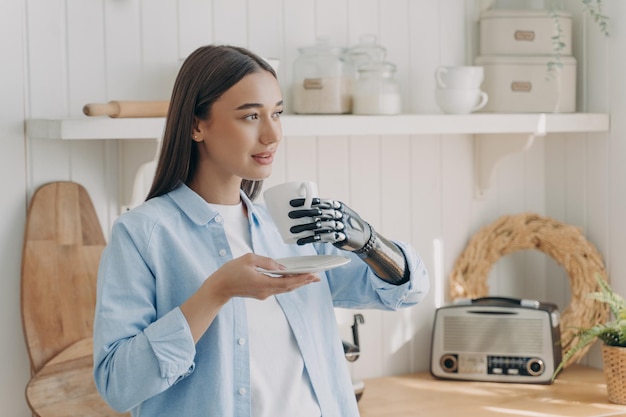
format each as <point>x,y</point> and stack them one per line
<point>564,243</point>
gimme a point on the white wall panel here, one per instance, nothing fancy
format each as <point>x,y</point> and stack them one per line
<point>363,18</point>
<point>301,160</point>
<point>330,20</point>
<point>299,31</point>
<point>159,46</point>
<point>230,22</point>
<point>86,70</point>
<point>424,56</point>
<point>122,26</point>
<point>47,58</point>
<point>13,356</point>
<point>394,35</point>
<point>194,25</point>
<point>265,28</point>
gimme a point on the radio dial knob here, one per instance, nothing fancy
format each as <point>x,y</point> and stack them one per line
<point>535,367</point>
<point>449,363</point>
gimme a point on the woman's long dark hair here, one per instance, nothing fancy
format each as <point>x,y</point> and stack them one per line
<point>204,76</point>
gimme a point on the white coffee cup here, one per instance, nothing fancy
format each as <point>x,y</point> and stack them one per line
<point>460,77</point>
<point>460,101</point>
<point>277,200</point>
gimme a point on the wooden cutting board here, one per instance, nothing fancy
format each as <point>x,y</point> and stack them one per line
<point>62,247</point>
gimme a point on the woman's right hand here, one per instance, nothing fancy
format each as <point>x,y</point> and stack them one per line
<point>238,278</point>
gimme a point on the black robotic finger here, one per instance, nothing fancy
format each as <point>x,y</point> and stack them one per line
<point>304,227</point>
<point>298,214</point>
<point>308,239</point>
<point>299,202</point>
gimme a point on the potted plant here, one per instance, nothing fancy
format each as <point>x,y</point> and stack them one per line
<point>613,337</point>
<point>595,9</point>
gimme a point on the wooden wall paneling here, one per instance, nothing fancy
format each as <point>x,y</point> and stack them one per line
<point>194,25</point>
<point>534,176</point>
<point>395,202</point>
<point>265,28</point>
<point>266,36</point>
<point>576,188</point>
<point>330,21</point>
<point>394,35</point>
<point>427,238</point>
<point>111,170</point>
<point>452,32</point>
<point>557,284</point>
<point>534,201</point>
<point>597,196</point>
<point>48,160</point>
<point>426,207</point>
<point>457,196</point>
<point>132,155</point>
<point>87,157</point>
<point>301,159</point>
<point>13,356</point>
<point>363,19</point>
<point>617,152</point>
<point>395,223</point>
<point>510,190</point>
<point>299,31</point>
<point>333,180</point>
<point>122,28</point>
<point>333,171</point>
<point>47,58</point>
<point>365,185</point>
<point>597,209</point>
<point>85,54</point>
<point>159,38</point>
<point>424,56</point>
<point>230,20</point>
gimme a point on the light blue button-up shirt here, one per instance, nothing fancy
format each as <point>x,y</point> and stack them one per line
<point>158,255</point>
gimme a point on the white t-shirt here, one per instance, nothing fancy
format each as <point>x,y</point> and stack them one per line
<point>279,383</point>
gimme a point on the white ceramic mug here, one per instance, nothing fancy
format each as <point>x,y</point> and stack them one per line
<point>460,77</point>
<point>460,101</point>
<point>277,200</point>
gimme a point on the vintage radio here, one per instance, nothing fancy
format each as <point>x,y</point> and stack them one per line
<point>496,339</point>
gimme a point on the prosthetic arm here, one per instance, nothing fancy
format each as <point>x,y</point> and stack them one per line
<point>333,222</point>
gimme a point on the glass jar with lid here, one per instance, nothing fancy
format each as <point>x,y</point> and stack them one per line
<point>376,90</point>
<point>322,82</point>
<point>366,51</point>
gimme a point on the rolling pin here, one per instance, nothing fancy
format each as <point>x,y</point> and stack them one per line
<point>127,109</point>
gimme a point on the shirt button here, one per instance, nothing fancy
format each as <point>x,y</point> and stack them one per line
<point>242,391</point>
<point>218,218</point>
<point>241,341</point>
<point>222,252</point>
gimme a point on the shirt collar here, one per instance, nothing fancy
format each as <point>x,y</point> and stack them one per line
<point>199,211</point>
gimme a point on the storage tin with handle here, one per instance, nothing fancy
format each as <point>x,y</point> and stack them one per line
<point>523,84</point>
<point>524,32</point>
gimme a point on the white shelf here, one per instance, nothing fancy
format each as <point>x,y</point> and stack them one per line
<point>87,128</point>
<point>496,135</point>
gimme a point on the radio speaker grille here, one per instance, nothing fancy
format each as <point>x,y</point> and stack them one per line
<point>493,334</point>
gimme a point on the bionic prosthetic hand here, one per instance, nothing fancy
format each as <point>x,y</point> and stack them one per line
<point>333,222</point>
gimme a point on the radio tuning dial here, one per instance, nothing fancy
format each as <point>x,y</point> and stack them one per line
<point>535,367</point>
<point>449,363</point>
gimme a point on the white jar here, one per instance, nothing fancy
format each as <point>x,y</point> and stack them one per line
<point>376,90</point>
<point>322,80</point>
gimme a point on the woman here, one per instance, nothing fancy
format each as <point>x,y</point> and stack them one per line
<point>185,324</point>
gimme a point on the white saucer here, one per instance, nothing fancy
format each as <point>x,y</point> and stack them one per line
<point>305,264</point>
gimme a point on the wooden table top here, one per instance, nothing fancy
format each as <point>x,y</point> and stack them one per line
<point>577,392</point>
